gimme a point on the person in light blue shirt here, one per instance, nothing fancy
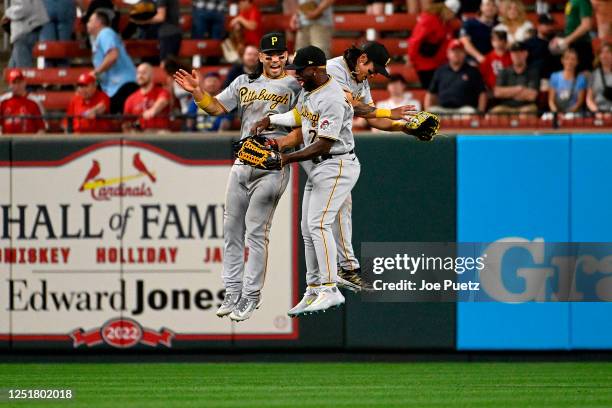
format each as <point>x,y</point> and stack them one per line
<point>112,65</point>
<point>567,90</point>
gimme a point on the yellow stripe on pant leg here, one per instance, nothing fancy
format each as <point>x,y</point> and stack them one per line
<point>321,226</point>
<point>342,239</point>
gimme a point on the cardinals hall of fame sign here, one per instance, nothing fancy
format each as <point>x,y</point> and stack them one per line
<point>122,243</point>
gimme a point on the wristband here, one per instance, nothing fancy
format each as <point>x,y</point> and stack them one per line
<point>383,113</point>
<point>205,101</point>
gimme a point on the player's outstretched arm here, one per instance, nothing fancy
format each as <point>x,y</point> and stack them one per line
<point>363,110</point>
<point>191,83</point>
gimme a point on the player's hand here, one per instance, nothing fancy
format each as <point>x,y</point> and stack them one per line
<point>260,126</point>
<point>189,82</point>
<point>403,112</point>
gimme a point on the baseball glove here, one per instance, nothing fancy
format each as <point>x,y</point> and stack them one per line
<point>258,152</point>
<point>424,126</point>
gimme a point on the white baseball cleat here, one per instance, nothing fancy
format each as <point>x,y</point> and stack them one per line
<point>244,309</point>
<point>229,303</point>
<point>309,296</point>
<point>329,297</point>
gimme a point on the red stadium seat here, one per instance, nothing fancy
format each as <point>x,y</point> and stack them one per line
<point>50,76</point>
<point>54,100</point>
<point>361,22</point>
<point>395,46</point>
<point>382,94</point>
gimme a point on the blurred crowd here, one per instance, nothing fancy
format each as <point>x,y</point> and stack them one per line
<point>471,57</point>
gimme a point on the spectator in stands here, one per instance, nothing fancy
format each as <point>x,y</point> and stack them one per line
<point>567,89</point>
<point>180,98</point>
<point>150,104</point>
<point>314,24</point>
<point>578,24</point>
<point>20,112</point>
<point>496,60</point>
<point>377,7</point>
<point>457,87</point>
<point>247,24</point>
<point>398,96</point>
<point>250,62</point>
<point>164,25</point>
<point>417,6</point>
<point>113,66</point>
<point>208,19</point>
<point>517,86</point>
<point>62,14</point>
<point>199,120</point>
<point>599,94</point>
<point>107,6</point>
<point>476,32</point>
<point>430,37</point>
<point>86,106</point>
<point>515,22</point>
<point>603,16</point>
<point>27,17</point>
<point>537,45</point>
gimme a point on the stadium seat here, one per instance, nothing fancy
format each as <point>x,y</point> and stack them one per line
<point>382,94</point>
<point>54,100</point>
<point>362,22</point>
<point>50,76</point>
<point>395,46</point>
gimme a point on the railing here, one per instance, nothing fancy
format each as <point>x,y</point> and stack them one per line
<point>61,123</point>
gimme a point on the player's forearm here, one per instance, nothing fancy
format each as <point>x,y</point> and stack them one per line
<point>370,112</point>
<point>207,103</point>
<point>287,119</point>
<point>385,124</point>
<point>292,139</point>
<point>321,146</point>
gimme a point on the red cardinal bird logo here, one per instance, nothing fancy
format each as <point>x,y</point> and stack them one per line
<point>92,174</point>
<point>140,166</point>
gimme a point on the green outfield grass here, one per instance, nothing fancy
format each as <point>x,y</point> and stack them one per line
<point>318,384</point>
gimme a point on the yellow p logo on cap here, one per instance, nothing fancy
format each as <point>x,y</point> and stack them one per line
<point>274,40</point>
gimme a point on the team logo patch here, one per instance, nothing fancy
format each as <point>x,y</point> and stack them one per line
<point>325,124</point>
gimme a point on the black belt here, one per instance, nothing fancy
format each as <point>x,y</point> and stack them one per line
<point>328,156</point>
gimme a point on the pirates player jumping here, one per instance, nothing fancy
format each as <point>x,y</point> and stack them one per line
<point>352,71</point>
<point>252,194</point>
<point>324,117</point>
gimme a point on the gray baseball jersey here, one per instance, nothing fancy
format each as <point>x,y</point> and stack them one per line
<point>325,112</point>
<point>337,68</point>
<point>258,98</point>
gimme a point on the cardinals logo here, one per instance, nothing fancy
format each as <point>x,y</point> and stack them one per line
<point>102,188</point>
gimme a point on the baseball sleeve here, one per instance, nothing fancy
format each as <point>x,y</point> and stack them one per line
<point>229,98</point>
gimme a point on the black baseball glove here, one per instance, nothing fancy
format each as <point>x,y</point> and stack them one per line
<point>424,126</point>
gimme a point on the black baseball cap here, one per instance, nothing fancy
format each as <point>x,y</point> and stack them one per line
<point>518,46</point>
<point>378,54</point>
<point>273,42</point>
<point>310,56</point>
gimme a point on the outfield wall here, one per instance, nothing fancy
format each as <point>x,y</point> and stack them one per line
<point>131,257</point>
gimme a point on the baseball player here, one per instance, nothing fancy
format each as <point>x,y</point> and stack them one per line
<point>325,118</point>
<point>252,194</point>
<point>352,71</point>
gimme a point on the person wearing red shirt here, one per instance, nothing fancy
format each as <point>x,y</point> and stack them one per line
<point>151,103</point>
<point>86,105</point>
<point>19,112</point>
<point>497,59</point>
<point>249,21</point>
<point>430,37</point>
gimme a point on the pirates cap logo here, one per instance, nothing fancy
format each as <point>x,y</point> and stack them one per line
<point>388,61</point>
<point>274,40</point>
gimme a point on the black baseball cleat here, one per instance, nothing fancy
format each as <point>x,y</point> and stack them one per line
<point>354,277</point>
